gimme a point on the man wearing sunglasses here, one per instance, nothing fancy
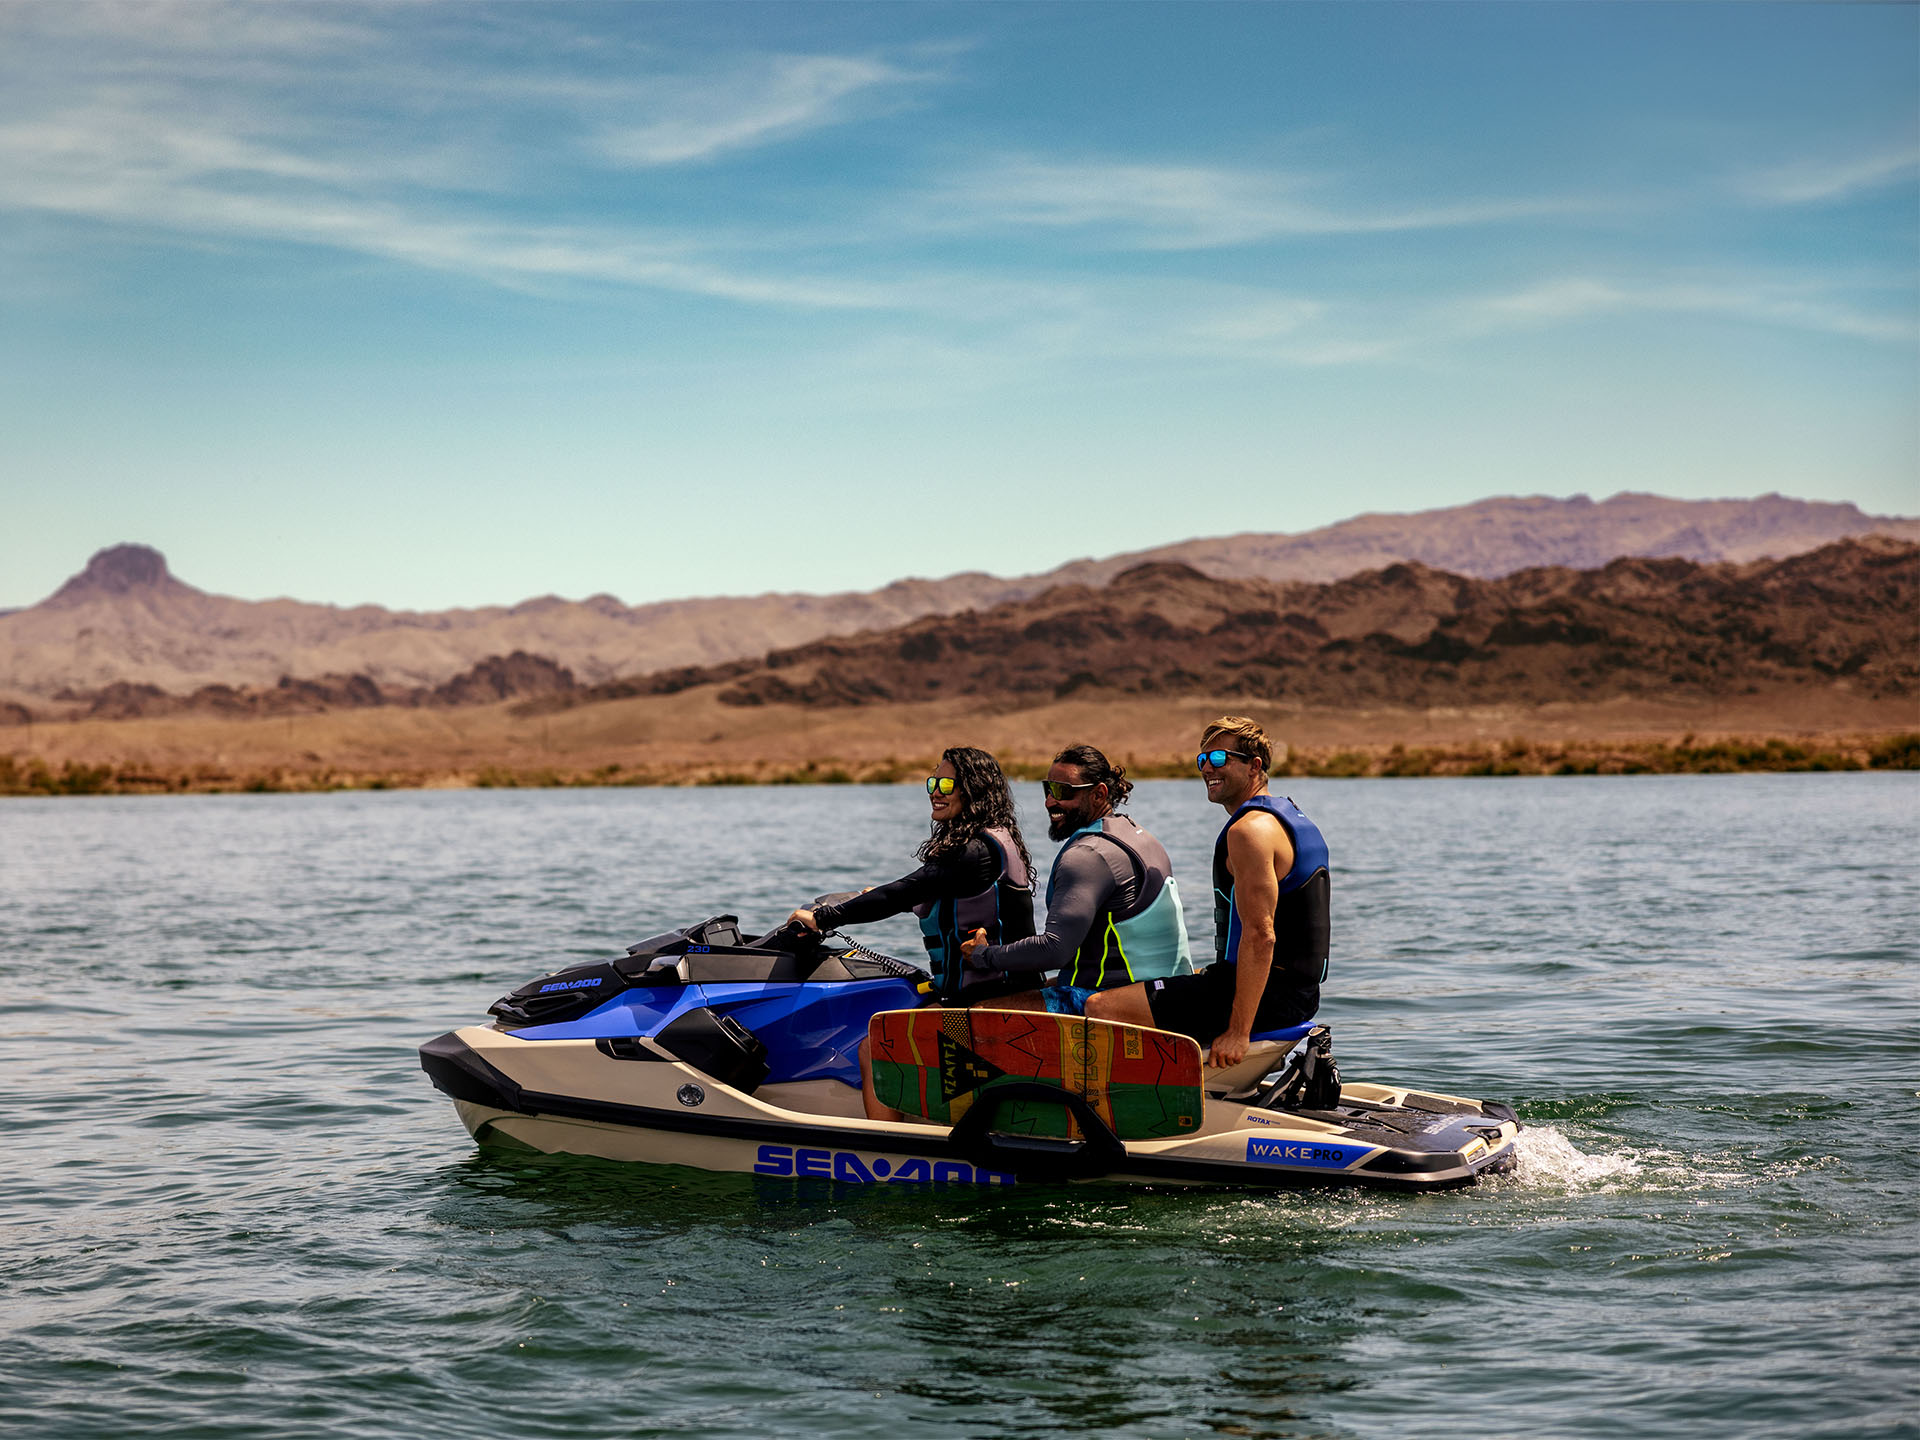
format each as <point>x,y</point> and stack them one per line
<point>1113,909</point>
<point>1270,912</point>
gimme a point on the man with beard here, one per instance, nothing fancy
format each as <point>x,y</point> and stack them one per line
<point>1113,907</point>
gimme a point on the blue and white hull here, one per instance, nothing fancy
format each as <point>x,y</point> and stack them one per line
<point>726,1057</point>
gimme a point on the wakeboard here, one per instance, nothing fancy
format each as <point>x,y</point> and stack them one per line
<point>1144,1083</point>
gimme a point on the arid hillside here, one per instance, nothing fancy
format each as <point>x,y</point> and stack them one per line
<point>498,677</point>
<point>1808,663</point>
<point>1843,620</point>
<point>1496,537</point>
<point>125,620</point>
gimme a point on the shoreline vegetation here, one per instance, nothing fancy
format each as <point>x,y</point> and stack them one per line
<point>29,774</point>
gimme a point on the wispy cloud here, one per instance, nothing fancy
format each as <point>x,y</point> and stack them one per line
<point>1261,327</point>
<point>183,29</point>
<point>222,123</point>
<point>1814,182</point>
<point>125,125</point>
<point>1179,207</point>
<point>1257,326</point>
<point>1794,305</point>
<point>209,184</point>
<point>773,98</point>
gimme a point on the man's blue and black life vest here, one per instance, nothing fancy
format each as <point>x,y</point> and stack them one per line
<point>1147,940</point>
<point>1302,925</point>
<point>1004,910</point>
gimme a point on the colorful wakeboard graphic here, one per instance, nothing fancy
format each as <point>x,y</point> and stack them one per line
<point>936,1063</point>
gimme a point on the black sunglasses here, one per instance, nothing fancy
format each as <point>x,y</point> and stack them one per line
<point>1215,759</point>
<point>1062,790</point>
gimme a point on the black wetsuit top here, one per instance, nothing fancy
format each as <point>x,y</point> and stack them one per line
<point>967,871</point>
<point>1088,881</point>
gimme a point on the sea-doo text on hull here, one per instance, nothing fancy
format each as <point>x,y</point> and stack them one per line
<point>701,1047</point>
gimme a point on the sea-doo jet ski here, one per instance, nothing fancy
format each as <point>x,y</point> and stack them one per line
<point>706,1048</point>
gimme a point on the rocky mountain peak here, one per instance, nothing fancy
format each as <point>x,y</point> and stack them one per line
<point>118,570</point>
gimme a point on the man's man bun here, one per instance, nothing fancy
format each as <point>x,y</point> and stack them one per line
<point>1099,771</point>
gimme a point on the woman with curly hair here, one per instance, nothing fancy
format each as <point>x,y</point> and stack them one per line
<point>975,874</point>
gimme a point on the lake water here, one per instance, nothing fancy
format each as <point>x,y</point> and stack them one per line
<point>233,1206</point>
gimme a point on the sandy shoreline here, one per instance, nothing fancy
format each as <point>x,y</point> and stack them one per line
<point>690,739</point>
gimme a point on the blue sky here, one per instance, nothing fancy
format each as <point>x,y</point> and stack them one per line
<point>447,305</point>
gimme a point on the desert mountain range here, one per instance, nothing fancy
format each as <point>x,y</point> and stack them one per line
<point>125,621</point>
<point>1844,617</point>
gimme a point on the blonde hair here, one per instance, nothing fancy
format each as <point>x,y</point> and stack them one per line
<point>1245,735</point>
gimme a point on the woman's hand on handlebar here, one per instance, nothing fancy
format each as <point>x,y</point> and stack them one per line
<point>804,919</point>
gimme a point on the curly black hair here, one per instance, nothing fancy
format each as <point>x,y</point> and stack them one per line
<point>1098,770</point>
<point>985,801</point>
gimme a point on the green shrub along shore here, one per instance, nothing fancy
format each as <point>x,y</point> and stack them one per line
<point>29,775</point>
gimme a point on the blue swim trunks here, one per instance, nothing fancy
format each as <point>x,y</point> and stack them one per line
<point>1066,999</point>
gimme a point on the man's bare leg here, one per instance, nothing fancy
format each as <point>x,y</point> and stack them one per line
<point>1126,1003</point>
<point>1025,1000</point>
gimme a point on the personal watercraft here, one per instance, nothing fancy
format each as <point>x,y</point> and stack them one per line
<point>705,1048</point>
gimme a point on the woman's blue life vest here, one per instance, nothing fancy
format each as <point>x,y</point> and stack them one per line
<point>1004,910</point>
<point>1302,925</point>
<point>1147,940</point>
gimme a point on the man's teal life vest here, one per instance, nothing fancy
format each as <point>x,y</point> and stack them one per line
<point>1147,940</point>
<point>1302,923</point>
<point>1004,910</point>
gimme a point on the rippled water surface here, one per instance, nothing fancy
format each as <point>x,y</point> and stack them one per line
<point>233,1206</point>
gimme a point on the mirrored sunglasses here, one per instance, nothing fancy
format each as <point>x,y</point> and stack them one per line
<point>1216,759</point>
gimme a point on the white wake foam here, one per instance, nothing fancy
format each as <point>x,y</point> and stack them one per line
<point>1545,1158</point>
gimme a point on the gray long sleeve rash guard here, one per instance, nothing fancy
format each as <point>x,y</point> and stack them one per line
<point>1090,875</point>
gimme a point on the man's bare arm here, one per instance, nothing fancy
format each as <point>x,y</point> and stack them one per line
<point>1258,854</point>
